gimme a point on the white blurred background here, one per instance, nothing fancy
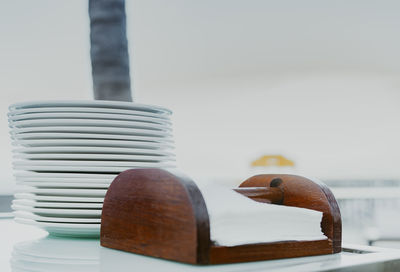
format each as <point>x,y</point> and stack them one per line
<point>315,81</point>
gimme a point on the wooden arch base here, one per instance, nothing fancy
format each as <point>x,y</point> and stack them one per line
<point>162,214</point>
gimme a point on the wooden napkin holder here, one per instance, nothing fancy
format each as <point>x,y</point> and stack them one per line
<point>162,214</point>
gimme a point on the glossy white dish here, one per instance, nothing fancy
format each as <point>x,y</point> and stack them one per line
<point>79,115</point>
<point>90,123</point>
<point>93,129</point>
<point>92,142</point>
<point>55,248</point>
<point>72,181</point>
<point>58,212</point>
<point>62,192</point>
<point>69,185</point>
<point>77,199</point>
<point>79,169</point>
<point>84,110</point>
<point>92,150</point>
<point>62,229</point>
<point>72,135</point>
<point>55,204</point>
<point>90,163</point>
<point>89,156</point>
<point>32,216</point>
<point>26,263</point>
<point>69,176</point>
<point>90,104</point>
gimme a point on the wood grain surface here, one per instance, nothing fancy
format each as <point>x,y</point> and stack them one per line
<point>162,214</point>
<point>156,213</point>
<point>305,193</point>
<point>269,251</point>
<point>262,194</point>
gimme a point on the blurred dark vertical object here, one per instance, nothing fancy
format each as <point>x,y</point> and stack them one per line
<point>109,50</point>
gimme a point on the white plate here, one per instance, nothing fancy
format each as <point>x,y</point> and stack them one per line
<point>90,104</point>
<point>64,176</point>
<point>89,123</point>
<point>52,204</point>
<point>80,169</point>
<point>62,192</point>
<point>27,263</point>
<point>24,263</point>
<point>80,115</point>
<point>63,163</point>
<point>94,129</point>
<point>92,149</point>
<point>71,181</point>
<point>84,110</point>
<point>109,157</point>
<point>57,135</point>
<point>71,185</point>
<point>29,215</point>
<point>93,142</point>
<point>60,229</point>
<point>54,248</point>
<point>59,212</point>
<point>59,198</point>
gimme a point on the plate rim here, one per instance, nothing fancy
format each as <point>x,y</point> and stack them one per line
<point>50,110</point>
<point>99,150</point>
<point>111,130</point>
<point>32,216</point>
<point>92,115</point>
<point>76,135</point>
<point>91,156</point>
<point>86,142</point>
<point>77,199</point>
<point>57,211</point>
<point>66,185</point>
<point>31,202</point>
<point>63,225</point>
<point>88,163</point>
<point>90,123</point>
<point>88,103</point>
<point>64,175</point>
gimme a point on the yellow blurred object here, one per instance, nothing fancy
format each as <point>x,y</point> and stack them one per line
<point>272,160</point>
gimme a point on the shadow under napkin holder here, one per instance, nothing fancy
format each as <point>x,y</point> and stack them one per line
<point>162,214</point>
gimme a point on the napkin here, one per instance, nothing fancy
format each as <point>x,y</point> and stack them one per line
<point>236,219</point>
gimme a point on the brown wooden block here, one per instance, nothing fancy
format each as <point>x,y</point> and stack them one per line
<point>162,214</point>
<point>302,192</point>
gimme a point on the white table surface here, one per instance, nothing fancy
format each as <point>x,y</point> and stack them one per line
<point>26,248</point>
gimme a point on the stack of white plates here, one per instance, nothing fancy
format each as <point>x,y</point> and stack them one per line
<point>68,152</point>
